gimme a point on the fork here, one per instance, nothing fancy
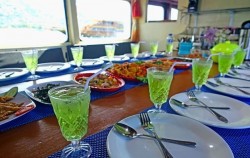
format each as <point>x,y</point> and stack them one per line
<point>193,98</point>
<point>229,85</point>
<point>148,126</point>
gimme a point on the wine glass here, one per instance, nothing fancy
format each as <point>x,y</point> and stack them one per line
<point>225,62</point>
<point>154,48</point>
<point>77,53</point>
<point>135,50</point>
<point>110,51</point>
<point>200,72</point>
<point>30,58</point>
<point>159,82</point>
<point>71,106</point>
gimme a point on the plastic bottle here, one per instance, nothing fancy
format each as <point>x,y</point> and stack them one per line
<point>169,44</point>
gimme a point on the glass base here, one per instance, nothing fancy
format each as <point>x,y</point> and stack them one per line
<point>83,150</point>
<point>156,111</point>
<point>133,59</point>
<point>78,68</point>
<point>153,56</point>
<point>33,77</point>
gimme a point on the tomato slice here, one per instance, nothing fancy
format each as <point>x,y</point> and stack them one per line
<point>24,110</point>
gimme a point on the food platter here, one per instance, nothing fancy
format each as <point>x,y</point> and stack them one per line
<point>42,96</point>
<point>26,107</point>
<point>104,82</point>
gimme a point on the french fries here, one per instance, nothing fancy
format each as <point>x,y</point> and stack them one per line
<point>7,108</point>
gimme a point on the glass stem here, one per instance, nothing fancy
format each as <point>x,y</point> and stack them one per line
<point>75,144</point>
<point>158,107</point>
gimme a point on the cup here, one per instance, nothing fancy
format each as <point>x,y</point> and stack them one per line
<point>225,62</point>
<point>71,107</point>
<point>135,50</point>
<point>30,58</point>
<point>239,57</point>
<point>159,82</point>
<point>110,51</point>
<point>200,72</point>
<point>77,53</point>
<point>154,48</point>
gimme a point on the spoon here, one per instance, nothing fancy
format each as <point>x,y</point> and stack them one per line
<point>128,131</point>
<point>95,74</point>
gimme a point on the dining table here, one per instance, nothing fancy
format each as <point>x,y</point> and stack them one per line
<point>39,135</point>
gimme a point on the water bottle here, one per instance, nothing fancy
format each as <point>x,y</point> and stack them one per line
<point>169,44</point>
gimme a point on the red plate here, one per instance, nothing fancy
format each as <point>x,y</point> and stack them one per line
<point>100,89</point>
<point>182,66</point>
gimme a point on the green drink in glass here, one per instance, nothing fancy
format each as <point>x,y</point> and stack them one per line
<point>77,53</point>
<point>110,52</point>
<point>239,57</point>
<point>200,72</point>
<point>153,48</point>
<point>30,58</point>
<point>159,82</point>
<point>71,107</point>
<point>225,62</point>
<point>135,50</point>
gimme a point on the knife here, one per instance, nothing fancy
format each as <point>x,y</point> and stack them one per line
<point>183,105</point>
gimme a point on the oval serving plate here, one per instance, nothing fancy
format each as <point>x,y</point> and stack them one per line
<point>121,82</point>
<point>27,102</point>
<point>30,93</point>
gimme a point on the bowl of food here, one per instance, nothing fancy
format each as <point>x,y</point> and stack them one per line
<point>103,82</point>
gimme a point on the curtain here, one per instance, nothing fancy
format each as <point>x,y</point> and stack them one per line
<point>136,15</point>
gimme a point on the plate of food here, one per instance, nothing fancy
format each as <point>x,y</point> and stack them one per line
<point>134,71</point>
<point>52,67</point>
<point>39,92</point>
<point>104,82</point>
<point>14,105</point>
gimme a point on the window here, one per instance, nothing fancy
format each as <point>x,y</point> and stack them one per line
<point>32,23</point>
<point>155,13</point>
<point>159,10</point>
<point>43,23</point>
<point>103,20</point>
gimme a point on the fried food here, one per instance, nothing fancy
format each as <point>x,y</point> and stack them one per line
<point>4,99</point>
<point>7,108</point>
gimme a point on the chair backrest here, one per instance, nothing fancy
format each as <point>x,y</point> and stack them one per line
<point>15,60</point>
<point>246,25</point>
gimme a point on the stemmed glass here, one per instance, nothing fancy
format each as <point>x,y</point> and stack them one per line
<point>30,58</point>
<point>110,51</point>
<point>71,106</point>
<point>135,50</point>
<point>200,72</point>
<point>239,57</point>
<point>154,48</point>
<point>159,82</point>
<point>225,62</point>
<point>77,53</point>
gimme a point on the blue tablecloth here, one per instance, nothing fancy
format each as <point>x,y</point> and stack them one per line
<point>237,139</point>
<point>41,111</point>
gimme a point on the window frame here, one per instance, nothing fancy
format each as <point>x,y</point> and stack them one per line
<point>167,10</point>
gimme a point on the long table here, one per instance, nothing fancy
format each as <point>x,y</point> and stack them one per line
<point>43,138</point>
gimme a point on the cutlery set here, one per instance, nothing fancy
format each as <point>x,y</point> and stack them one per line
<point>193,98</point>
<point>147,125</point>
<point>6,74</point>
<point>219,82</point>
